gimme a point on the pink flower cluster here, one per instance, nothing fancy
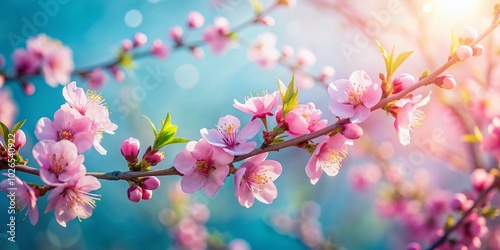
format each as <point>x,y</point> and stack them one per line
<point>46,56</point>
<point>82,120</point>
<point>466,36</point>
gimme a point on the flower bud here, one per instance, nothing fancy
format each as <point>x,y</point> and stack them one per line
<point>153,157</point>
<point>445,82</point>
<point>117,73</point>
<point>19,139</point>
<point>352,131</point>
<point>28,88</point>
<point>140,39</point>
<point>147,194</point>
<point>286,51</point>
<point>413,246</point>
<point>195,19</point>
<point>150,183</point>
<point>402,82</point>
<point>130,149</point>
<point>464,52</point>
<point>96,78</point>
<point>305,58</point>
<point>267,21</point>
<point>134,193</point>
<point>467,34</point>
<point>127,45</point>
<point>326,74</point>
<point>458,202</point>
<point>159,50</point>
<point>481,179</point>
<point>176,34</point>
<point>477,50</point>
<point>198,53</point>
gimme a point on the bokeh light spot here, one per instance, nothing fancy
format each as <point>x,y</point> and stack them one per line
<point>133,18</point>
<point>186,76</point>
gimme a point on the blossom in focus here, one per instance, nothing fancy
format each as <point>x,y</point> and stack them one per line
<point>264,52</point>
<point>66,126</point>
<point>25,196</point>
<point>8,109</point>
<point>130,149</point>
<point>408,115</point>
<point>59,161</point>
<point>227,137</point>
<point>217,36</point>
<point>303,119</point>
<point>327,157</point>
<point>90,105</point>
<point>402,82</point>
<point>73,199</point>
<point>254,179</point>
<point>355,97</point>
<point>259,106</point>
<point>203,166</point>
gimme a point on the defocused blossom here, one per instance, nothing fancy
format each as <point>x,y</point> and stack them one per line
<point>195,19</point>
<point>8,109</point>
<point>24,196</point>
<point>217,36</point>
<point>264,51</point>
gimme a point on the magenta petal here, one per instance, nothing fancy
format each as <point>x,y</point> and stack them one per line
<point>213,137</point>
<point>360,114</point>
<point>216,179</point>
<point>44,130</point>
<point>341,110</point>
<point>184,162</point>
<point>238,176</point>
<point>249,131</point>
<point>267,194</point>
<point>372,95</point>
<point>193,182</point>
<point>245,196</point>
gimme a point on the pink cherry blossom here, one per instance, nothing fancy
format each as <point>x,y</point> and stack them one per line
<point>153,157</point>
<point>28,88</point>
<point>217,36</point>
<point>203,166</point>
<point>8,109</point>
<point>195,19</point>
<point>57,66</point>
<point>264,51</point>
<point>25,63</point>
<point>254,179</point>
<point>39,45</point>
<point>327,157</point>
<point>150,183</point>
<point>353,98</point>
<point>130,149</point>
<point>481,180</point>
<point>189,234</point>
<point>59,161</point>
<point>89,105</point>
<point>140,39</point>
<point>159,49</point>
<point>66,126</point>
<point>326,74</point>
<point>226,135</point>
<point>408,116</point>
<point>176,34</point>
<point>305,58</point>
<point>259,106</point>
<point>303,119</point>
<point>25,196</point>
<point>491,143</point>
<point>74,199</point>
<point>96,78</point>
<point>352,131</point>
<point>464,52</point>
<point>19,139</point>
<point>362,178</point>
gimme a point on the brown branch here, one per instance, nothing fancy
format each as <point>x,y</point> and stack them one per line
<point>477,202</point>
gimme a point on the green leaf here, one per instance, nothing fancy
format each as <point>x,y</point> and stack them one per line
<point>5,132</point>
<point>454,42</point>
<point>17,126</point>
<point>290,98</point>
<point>256,5</point>
<point>425,74</point>
<point>400,59</point>
<point>152,125</point>
<point>384,53</point>
<point>166,135</point>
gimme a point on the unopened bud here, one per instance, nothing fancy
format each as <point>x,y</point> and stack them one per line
<point>477,50</point>
<point>326,74</point>
<point>130,149</point>
<point>19,139</point>
<point>127,45</point>
<point>134,193</point>
<point>153,157</point>
<point>445,82</point>
<point>147,194</point>
<point>176,34</point>
<point>159,50</point>
<point>352,131</point>
<point>464,52</point>
<point>150,183</point>
<point>267,21</point>
<point>402,82</point>
<point>467,35</point>
<point>28,88</point>
<point>140,39</point>
<point>195,19</point>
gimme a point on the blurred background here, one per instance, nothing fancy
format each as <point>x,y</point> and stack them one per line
<point>198,92</point>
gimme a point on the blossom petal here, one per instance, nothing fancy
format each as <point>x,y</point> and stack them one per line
<point>361,78</point>
<point>372,95</point>
<point>216,179</point>
<point>341,110</point>
<point>360,114</point>
<point>193,182</point>
<point>249,131</point>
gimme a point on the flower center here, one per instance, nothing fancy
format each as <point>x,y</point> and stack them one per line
<point>203,166</point>
<point>75,197</point>
<point>417,118</point>
<point>331,158</point>
<point>66,135</point>
<point>228,132</point>
<point>354,94</point>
